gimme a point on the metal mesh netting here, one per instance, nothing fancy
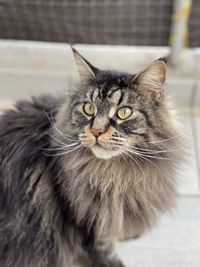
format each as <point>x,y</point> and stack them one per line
<point>194,25</point>
<point>127,22</point>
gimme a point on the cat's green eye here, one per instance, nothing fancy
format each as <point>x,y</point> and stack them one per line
<point>124,113</point>
<point>89,109</point>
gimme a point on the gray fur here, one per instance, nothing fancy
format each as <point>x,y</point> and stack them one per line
<point>61,194</point>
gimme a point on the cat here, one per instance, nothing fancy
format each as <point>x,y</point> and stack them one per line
<point>80,172</point>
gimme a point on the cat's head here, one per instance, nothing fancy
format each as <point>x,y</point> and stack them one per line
<point>117,112</point>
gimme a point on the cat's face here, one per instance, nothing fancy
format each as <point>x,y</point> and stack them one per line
<point>112,112</point>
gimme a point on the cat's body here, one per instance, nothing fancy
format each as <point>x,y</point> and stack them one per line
<point>55,202</point>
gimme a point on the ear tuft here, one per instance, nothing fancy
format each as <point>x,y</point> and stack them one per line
<point>85,69</point>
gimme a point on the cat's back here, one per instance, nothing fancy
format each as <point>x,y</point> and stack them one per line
<point>27,124</point>
<point>23,134</point>
<point>28,118</point>
<point>25,192</point>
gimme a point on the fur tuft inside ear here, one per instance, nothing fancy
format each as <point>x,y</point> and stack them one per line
<point>85,69</point>
<point>152,78</point>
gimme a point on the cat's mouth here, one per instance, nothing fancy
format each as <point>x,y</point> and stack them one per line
<point>102,146</point>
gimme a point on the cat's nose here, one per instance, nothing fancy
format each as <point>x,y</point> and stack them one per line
<point>97,132</point>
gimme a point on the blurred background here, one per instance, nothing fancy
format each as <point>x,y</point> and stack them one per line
<point>126,35</point>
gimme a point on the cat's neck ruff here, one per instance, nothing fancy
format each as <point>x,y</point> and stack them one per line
<point>110,185</point>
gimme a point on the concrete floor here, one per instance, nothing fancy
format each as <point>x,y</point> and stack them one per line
<point>176,240</point>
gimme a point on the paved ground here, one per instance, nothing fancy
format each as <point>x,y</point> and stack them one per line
<point>175,242</point>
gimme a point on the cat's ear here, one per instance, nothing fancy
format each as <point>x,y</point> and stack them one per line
<point>85,69</point>
<point>152,78</point>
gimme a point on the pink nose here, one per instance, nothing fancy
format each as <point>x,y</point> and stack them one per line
<point>97,132</point>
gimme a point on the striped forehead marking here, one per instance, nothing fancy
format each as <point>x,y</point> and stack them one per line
<point>115,96</point>
<point>112,111</point>
<point>92,94</point>
<point>95,94</point>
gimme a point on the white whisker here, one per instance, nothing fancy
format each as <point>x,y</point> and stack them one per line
<point>125,152</point>
<point>65,136</point>
<point>60,148</point>
<point>52,136</point>
<point>166,140</point>
<point>64,153</point>
<point>150,155</point>
<point>152,151</point>
<point>142,157</point>
<point>121,154</point>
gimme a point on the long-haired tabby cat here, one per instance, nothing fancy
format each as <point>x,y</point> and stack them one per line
<point>80,172</point>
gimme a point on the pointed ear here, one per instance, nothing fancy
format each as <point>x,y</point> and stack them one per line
<point>85,69</point>
<point>152,78</point>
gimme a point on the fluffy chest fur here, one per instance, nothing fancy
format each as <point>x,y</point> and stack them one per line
<point>106,193</point>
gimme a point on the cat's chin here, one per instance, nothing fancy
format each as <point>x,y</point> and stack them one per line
<point>102,153</point>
